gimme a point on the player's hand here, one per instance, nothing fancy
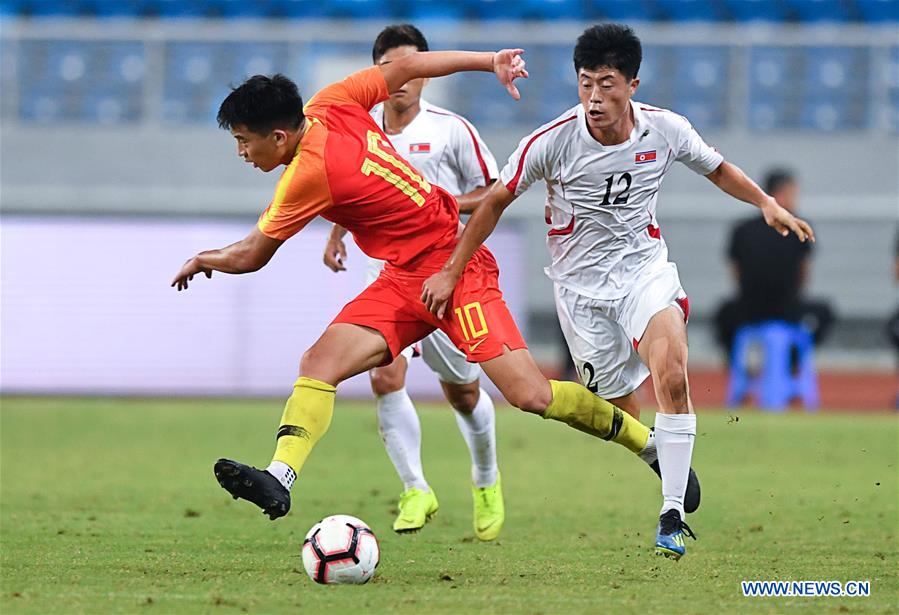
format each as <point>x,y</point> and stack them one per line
<point>187,273</point>
<point>437,290</point>
<point>508,65</point>
<point>784,222</point>
<point>335,255</point>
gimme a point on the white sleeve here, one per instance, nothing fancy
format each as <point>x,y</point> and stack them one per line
<point>475,164</point>
<point>526,164</point>
<point>693,151</point>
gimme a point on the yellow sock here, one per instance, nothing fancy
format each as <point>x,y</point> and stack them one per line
<point>574,405</point>
<point>306,418</point>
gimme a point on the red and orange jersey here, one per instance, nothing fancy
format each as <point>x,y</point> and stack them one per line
<point>346,171</point>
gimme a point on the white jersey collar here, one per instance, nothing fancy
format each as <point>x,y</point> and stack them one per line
<point>423,106</point>
<point>634,136</point>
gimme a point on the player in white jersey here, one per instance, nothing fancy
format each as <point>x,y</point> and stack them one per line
<point>448,151</point>
<point>620,302</point>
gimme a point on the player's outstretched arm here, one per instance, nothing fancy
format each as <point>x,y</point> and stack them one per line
<point>438,288</point>
<point>249,254</point>
<point>506,64</point>
<point>335,250</point>
<point>732,180</point>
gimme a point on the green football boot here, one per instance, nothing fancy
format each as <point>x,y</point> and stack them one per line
<point>489,510</point>
<point>416,508</point>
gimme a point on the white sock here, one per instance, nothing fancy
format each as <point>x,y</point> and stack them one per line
<point>674,440</point>
<point>649,454</point>
<point>283,472</point>
<point>401,433</point>
<point>479,431</point>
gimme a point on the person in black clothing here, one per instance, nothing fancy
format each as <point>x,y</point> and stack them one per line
<point>771,272</point>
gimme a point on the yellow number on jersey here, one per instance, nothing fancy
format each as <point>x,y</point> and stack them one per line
<point>474,330</point>
<point>404,185</point>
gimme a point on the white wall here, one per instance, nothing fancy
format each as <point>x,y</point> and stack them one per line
<point>87,309</point>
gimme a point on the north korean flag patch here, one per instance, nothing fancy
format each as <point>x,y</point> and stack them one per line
<point>419,148</point>
<point>644,157</point>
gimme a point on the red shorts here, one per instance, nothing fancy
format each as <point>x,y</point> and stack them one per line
<point>476,319</point>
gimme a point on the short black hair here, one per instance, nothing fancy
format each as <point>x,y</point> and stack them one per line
<point>777,179</point>
<point>397,35</point>
<point>609,44</point>
<point>262,104</point>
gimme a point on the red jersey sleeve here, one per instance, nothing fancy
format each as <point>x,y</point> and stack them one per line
<point>365,88</point>
<point>303,191</point>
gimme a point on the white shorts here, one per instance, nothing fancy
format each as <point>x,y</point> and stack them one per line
<point>602,334</point>
<point>438,352</point>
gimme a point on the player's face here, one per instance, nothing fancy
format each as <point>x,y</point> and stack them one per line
<point>264,152</point>
<point>787,196</point>
<point>605,94</point>
<point>410,93</point>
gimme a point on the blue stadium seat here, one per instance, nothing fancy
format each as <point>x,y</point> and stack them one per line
<point>771,114</point>
<point>548,10</point>
<point>892,80</point>
<point>655,77</point>
<point>830,102</point>
<point>773,99</point>
<point>298,9</point>
<point>433,10</point>
<point>198,75</point>
<point>621,10</point>
<point>110,106</point>
<point>11,8</point>
<point>178,8</point>
<point>699,87</point>
<point>50,8</point>
<point>757,10</point>
<point>359,9</point>
<point>810,11</point>
<point>112,8</point>
<point>691,10</point>
<point>878,11</point>
<point>41,105</point>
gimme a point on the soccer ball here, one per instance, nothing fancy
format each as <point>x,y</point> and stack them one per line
<point>341,550</point>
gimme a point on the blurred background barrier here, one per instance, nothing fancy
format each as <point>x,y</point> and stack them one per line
<point>113,171</point>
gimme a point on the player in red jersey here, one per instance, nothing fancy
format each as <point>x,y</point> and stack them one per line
<point>340,165</point>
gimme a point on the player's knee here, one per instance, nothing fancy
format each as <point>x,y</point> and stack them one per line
<point>674,385</point>
<point>311,363</point>
<point>531,399</point>
<point>462,397</point>
<point>384,381</point>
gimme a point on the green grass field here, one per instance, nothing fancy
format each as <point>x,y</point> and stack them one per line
<point>110,506</point>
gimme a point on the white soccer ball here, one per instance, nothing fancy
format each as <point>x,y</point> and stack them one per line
<point>341,550</point>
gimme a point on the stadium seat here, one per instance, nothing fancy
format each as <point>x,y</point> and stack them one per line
<point>776,384</point>
<point>359,9</point>
<point>878,11</point>
<point>110,106</point>
<point>691,10</point>
<point>757,10</point>
<point>431,10</point>
<point>49,8</point>
<point>773,100</point>
<point>621,10</point>
<point>11,8</point>
<point>811,11</point>
<point>829,102</point>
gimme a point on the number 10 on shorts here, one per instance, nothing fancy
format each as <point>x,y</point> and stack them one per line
<point>474,318</point>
